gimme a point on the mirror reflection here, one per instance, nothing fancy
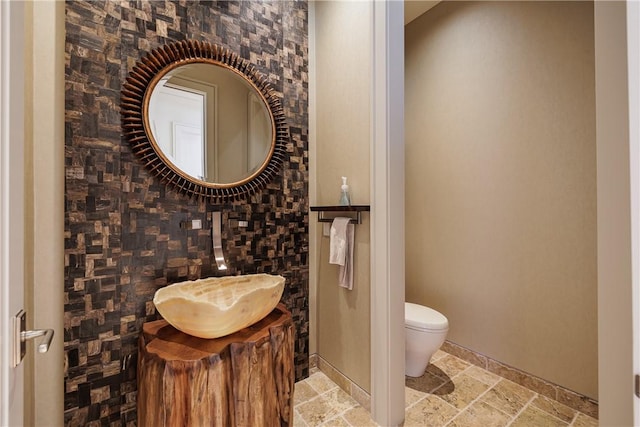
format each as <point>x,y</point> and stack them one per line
<point>210,123</point>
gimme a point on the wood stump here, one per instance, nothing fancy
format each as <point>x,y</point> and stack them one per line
<point>243,379</point>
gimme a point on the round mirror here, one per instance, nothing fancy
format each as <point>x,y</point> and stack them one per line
<point>204,120</point>
<point>210,123</point>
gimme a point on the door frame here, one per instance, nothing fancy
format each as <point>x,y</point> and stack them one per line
<point>46,20</point>
<point>617,218</point>
<point>633,57</point>
<point>387,213</point>
<point>12,222</point>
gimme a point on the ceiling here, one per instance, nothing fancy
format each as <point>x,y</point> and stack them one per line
<point>415,8</point>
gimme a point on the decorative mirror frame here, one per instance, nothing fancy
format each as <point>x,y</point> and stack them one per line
<point>134,105</point>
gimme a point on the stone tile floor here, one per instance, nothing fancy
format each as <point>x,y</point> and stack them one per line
<point>451,393</point>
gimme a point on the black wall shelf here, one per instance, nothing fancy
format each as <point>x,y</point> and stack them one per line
<point>328,213</point>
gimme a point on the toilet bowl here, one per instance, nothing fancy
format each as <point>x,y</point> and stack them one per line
<point>425,331</point>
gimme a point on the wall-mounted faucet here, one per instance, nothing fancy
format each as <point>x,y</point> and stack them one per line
<point>216,235</point>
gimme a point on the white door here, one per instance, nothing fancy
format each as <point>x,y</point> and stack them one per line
<point>188,148</point>
<point>177,116</point>
<point>11,205</point>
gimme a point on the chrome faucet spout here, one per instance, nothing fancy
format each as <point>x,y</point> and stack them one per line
<point>216,236</point>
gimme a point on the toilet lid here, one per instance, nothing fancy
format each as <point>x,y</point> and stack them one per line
<point>421,317</point>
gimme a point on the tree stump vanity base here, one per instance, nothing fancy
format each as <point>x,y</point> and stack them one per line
<point>243,379</point>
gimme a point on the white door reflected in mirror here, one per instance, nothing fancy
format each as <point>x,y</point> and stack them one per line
<point>188,149</point>
<point>177,118</point>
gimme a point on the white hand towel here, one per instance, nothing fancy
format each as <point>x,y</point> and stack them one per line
<point>341,250</point>
<point>338,241</point>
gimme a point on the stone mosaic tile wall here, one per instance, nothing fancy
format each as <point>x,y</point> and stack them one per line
<point>122,228</point>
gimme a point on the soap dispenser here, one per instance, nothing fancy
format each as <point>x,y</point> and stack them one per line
<point>344,193</point>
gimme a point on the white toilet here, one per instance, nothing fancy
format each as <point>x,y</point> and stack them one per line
<point>425,330</point>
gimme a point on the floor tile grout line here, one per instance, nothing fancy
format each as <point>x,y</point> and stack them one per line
<point>300,417</point>
<point>469,365</point>
<point>575,418</point>
<point>431,392</point>
<point>552,415</point>
<point>406,408</point>
<point>448,379</point>
<point>308,399</point>
<point>324,393</point>
<point>331,419</point>
<point>537,395</point>
<point>355,405</point>
<point>499,378</point>
<point>489,387</point>
<point>318,391</point>
<point>329,401</point>
<point>515,417</point>
<point>434,395</point>
<point>317,396</point>
<point>341,414</point>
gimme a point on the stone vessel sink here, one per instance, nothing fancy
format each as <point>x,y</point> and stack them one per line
<point>219,306</point>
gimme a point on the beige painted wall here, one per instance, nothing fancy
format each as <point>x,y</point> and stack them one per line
<point>501,181</point>
<point>341,148</point>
